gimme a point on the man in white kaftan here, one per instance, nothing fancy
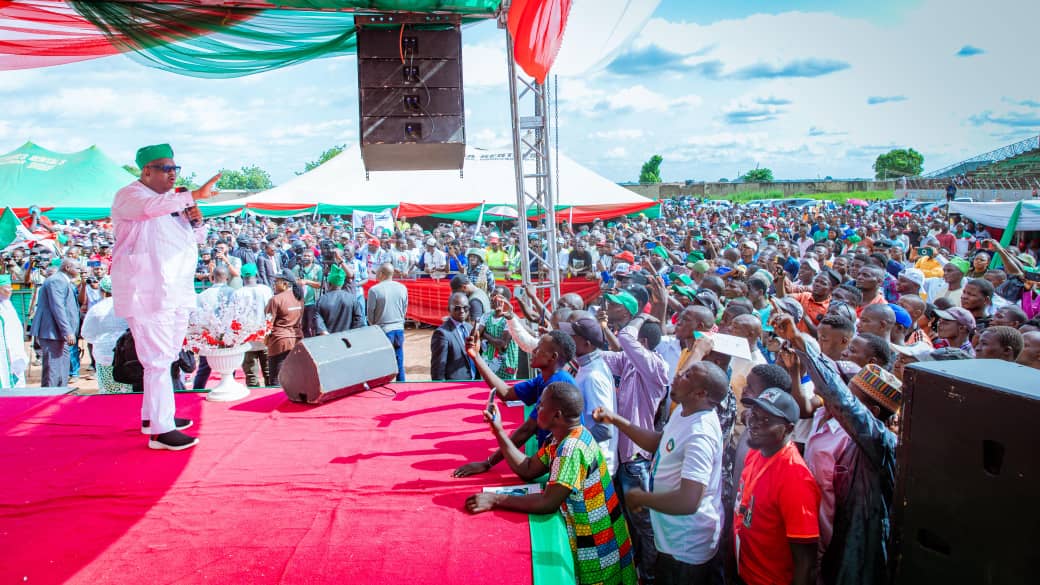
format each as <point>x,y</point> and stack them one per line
<point>12,340</point>
<point>153,269</point>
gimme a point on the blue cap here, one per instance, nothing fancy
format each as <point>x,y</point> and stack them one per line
<point>902,317</point>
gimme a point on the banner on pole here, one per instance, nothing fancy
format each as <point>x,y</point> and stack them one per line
<point>374,222</point>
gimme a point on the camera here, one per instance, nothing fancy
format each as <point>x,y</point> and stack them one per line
<point>328,252</point>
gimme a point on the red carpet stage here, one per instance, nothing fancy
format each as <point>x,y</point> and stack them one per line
<point>355,491</point>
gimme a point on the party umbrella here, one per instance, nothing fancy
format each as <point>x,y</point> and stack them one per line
<point>857,202</point>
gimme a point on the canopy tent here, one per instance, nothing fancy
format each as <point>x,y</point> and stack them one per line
<point>33,175</point>
<point>340,186</point>
<point>1000,214</point>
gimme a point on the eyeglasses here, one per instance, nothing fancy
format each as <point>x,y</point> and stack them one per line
<point>166,168</point>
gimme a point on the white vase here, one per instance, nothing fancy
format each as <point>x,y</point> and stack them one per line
<point>224,361</point>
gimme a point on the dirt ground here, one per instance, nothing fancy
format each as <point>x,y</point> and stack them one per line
<point>416,363</point>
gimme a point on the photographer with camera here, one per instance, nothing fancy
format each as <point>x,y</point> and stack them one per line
<point>310,276</point>
<point>15,265</point>
<point>222,258</point>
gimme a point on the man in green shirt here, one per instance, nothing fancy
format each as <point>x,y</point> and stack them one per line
<point>309,275</point>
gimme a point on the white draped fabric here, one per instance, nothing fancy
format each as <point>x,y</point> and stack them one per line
<point>997,214</point>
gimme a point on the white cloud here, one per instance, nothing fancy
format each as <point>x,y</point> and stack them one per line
<point>616,152</point>
<point>618,134</point>
<point>490,139</point>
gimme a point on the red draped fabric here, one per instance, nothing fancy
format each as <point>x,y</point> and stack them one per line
<point>45,33</point>
<point>588,213</point>
<point>419,209</point>
<point>537,29</point>
<point>428,298</point>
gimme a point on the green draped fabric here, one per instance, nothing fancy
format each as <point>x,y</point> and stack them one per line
<point>552,561</point>
<point>222,42</point>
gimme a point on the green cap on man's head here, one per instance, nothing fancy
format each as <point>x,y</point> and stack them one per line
<point>626,300</point>
<point>337,276</point>
<point>248,270</point>
<point>961,264</point>
<point>686,291</point>
<point>154,152</point>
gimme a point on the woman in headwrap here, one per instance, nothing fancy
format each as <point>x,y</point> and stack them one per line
<point>477,271</point>
<point>500,351</point>
<point>285,310</point>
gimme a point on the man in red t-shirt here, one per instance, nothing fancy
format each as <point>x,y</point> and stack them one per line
<point>946,239</point>
<point>776,525</point>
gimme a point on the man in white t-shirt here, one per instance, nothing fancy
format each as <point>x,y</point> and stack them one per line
<point>685,497</point>
<point>255,296</point>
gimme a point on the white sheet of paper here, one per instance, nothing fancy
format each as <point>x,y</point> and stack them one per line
<point>731,345</point>
<point>515,490</point>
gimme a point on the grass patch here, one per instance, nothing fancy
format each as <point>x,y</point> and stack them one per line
<point>837,197</point>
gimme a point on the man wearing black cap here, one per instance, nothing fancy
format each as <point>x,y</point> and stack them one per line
<point>153,267</point>
<point>776,525</point>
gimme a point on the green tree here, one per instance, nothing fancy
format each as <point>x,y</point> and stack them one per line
<point>900,162</point>
<point>251,178</point>
<point>651,171</point>
<point>759,175</point>
<point>324,158</point>
<point>186,181</point>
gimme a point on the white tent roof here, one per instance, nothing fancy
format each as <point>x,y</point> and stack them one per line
<point>997,214</point>
<point>487,177</point>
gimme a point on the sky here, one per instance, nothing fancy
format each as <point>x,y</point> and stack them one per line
<point>808,88</point>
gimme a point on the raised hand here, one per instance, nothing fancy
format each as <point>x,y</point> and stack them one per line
<point>206,191</point>
<point>473,343</point>
<point>602,415</point>
<point>503,309</point>
<point>492,417</point>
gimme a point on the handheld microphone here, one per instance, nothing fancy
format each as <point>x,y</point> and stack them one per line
<point>195,223</point>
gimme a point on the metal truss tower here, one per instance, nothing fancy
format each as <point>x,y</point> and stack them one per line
<point>529,105</point>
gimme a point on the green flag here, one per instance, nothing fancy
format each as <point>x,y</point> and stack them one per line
<point>1009,235</point>
<point>11,230</point>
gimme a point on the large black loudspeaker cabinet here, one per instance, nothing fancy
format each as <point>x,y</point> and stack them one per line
<point>320,369</point>
<point>410,92</point>
<point>967,492</point>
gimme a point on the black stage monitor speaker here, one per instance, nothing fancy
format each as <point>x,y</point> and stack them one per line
<point>969,474</point>
<point>320,369</point>
<point>410,92</point>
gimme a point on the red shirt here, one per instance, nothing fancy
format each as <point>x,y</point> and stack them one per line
<point>947,241</point>
<point>778,501</point>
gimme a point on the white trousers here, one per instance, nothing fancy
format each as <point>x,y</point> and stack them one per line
<point>158,338</point>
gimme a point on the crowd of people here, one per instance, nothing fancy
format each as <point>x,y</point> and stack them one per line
<point>734,395</point>
<point>727,407</point>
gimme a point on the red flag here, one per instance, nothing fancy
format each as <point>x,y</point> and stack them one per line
<point>537,29</point>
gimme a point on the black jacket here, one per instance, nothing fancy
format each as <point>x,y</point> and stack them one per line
<point>448,359</point>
